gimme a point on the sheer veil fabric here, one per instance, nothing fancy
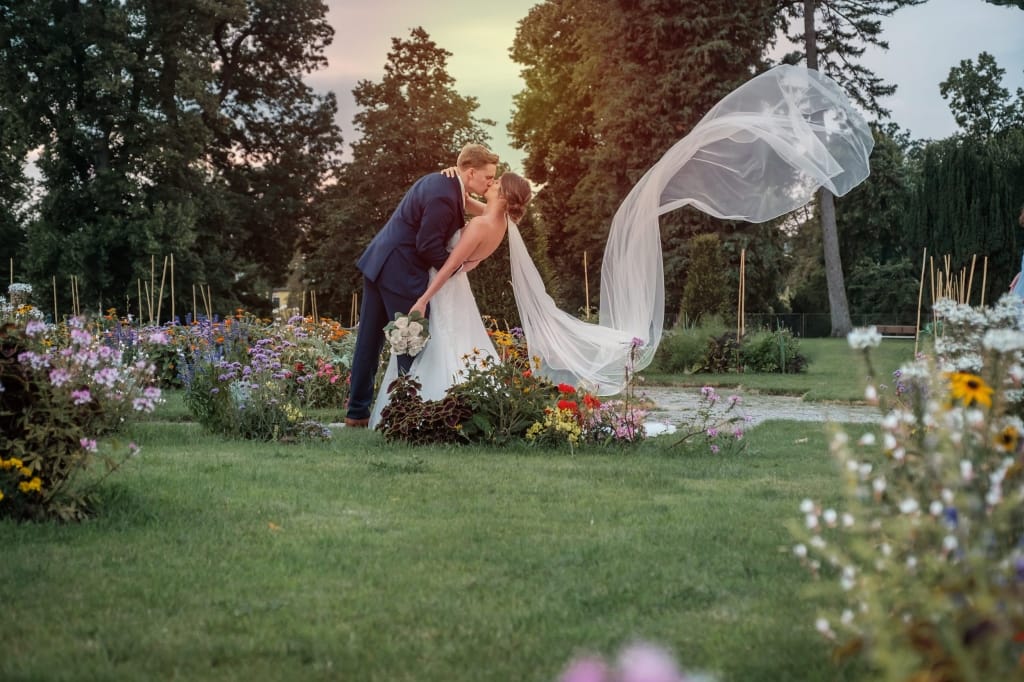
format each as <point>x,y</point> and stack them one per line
<point>764,150</point>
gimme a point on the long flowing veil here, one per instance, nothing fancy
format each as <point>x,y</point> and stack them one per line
<point>762,151</point>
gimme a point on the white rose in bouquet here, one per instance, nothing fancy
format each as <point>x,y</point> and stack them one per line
<point>407,334</point>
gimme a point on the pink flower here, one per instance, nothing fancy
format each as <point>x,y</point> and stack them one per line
<point>88,444</point>
<point>648,663</point>
<point>586,669</point>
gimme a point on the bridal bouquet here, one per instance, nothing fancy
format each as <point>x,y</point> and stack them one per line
<point>407,334</point>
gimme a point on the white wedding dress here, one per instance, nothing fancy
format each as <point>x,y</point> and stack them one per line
<point>457,336</point>
<point>764,150</point>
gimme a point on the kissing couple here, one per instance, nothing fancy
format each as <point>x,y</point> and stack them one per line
<point>421,257</point>
<point>764,150</point>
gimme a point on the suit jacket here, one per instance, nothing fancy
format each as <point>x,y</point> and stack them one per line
<point>416,236</point>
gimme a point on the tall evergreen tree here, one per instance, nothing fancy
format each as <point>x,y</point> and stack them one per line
<point>410,123</point>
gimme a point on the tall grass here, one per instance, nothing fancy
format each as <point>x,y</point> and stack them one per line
<point>359,560</point>
<point>835,372</point>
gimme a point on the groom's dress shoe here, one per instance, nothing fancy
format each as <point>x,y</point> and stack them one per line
<point>357,423</point>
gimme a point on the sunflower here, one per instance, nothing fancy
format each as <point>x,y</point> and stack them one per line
<point>1007,439</point>
<point>970,388</point>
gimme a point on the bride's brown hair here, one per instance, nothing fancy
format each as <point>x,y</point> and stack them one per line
<point>517,194</point>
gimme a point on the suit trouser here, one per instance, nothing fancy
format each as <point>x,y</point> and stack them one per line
<point>378,309</point>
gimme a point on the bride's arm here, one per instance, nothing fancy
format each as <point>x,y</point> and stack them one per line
<point>464,248</point>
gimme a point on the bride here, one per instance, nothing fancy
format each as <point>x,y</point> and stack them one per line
<point>457,333</point>
<point>763,151</point>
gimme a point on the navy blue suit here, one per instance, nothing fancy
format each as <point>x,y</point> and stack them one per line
<point>396,268</point>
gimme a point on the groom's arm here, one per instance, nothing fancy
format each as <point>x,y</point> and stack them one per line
<point>440,218</point>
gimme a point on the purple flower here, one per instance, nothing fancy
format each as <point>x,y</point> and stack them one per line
<point>35,327</point>
<point>59,376</point>
<point>712,432</point>
<point>715,449</point>
<point>88,444</point>
<point>81,397</point>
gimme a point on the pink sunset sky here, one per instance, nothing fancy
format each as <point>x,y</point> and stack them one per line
<point>925,42</point>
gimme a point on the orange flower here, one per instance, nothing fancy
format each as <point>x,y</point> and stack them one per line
<point>970,388</point>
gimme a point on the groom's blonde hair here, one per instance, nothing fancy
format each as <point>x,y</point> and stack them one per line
<point>475,156</point>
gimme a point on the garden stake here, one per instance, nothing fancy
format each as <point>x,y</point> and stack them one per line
<point>984,273</point>
<point>160,298</point>
<point>195,311</point>
<point>920,294</point>
<point>586,285</point>
<point>55,318</point>
<point>172,287</point>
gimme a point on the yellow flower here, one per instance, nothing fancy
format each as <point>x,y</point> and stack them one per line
<point>970,388</point>
<point>29,486</point>
<point>1007,439</point>
<point>1,495</point>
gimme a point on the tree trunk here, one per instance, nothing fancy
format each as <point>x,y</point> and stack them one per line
<point>839,309</point>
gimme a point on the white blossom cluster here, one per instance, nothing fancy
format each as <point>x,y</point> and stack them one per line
<point>407,335</point>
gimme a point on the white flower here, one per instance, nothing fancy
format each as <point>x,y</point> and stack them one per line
<point>864,337</point>
<point>1003,340</point>
<point>829,516</point>
<point>415,328</point>
<point>847,520</point>
<point>800,550</point>
<point>807,506</point>
<point>402,322</point>
<point>909,506</point>
<point>936,508</point>
<point>867,439</point>
<point>949,543</point>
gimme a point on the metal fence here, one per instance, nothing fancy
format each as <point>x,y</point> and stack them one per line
<point>811,325</point>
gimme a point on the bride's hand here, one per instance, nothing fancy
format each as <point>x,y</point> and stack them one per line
<point>419,307</point>
<point>450,172</point>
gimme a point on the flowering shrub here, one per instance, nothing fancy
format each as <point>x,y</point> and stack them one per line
<point>923,561</point>
<point>716,424</point>
<point>60,390</point>
<point>258,389</point>
<point>501,401</point>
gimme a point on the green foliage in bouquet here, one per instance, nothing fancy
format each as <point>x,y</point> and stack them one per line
<point>920,566</point>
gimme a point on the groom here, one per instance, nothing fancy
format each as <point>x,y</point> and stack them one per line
<point>396,264</point>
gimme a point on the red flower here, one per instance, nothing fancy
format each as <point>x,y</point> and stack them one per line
<point>568,405</point>
<point>299,367</point>
<point>527,374</point>
<point>566,389</point>
<point>591,402</point>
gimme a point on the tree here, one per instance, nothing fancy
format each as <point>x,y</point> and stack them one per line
<point>410,123</point>
<point>979,102</point>
<point>705,292</point>
<point>169,128</point>
<point>609,86</point>
<point>834,33</point>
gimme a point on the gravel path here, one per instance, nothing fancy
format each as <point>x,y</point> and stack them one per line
<point>673,404</point>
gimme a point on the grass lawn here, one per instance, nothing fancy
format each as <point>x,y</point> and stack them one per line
<point>359,560</point>
<point>835,372</point>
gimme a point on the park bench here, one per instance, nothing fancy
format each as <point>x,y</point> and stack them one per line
<point>896,329</point>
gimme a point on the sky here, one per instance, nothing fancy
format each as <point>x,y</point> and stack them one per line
<point>925,42</point>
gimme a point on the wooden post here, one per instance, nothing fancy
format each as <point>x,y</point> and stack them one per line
<point>984,274</point>
<point>354,313</point>
<point>55,318</point>
<point>195,310</point>
<point>586,285</point>
<point>138,282</point>
<point>172,287</point>
<point>12,278</point>
<point>970,280</point>
<point>209,302</point>
<point>152,285</point>
<point>740,307</point>
<point>920,294</point>
<point>160,297</point>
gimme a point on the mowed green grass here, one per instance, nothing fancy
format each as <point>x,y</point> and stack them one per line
<point>835,372</point>
<point>362,560</point>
